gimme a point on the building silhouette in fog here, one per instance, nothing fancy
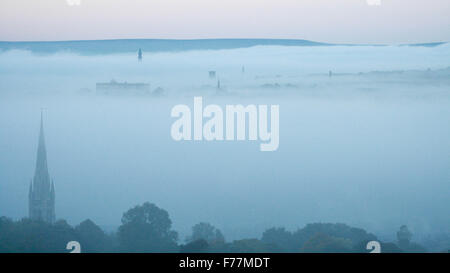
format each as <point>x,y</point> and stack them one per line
<point>140,55</point>
<point>41,196</point>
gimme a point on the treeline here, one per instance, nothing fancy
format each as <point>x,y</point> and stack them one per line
<point>148,228</point>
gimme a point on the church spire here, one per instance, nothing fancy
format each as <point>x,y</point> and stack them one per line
<point>41,175</point>
<point>41,197</point>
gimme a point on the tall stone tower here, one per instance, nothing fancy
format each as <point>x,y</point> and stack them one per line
<point>41,197</point>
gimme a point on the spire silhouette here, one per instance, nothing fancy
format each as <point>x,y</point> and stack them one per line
<point>42,192</point>
<point>41,176</point>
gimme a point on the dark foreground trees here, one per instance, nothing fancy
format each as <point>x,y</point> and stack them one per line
<point>207,232</point>
<point>318,237</point>
<point>93,239</point>
<point>148,228</point>
<point>404,237</point>
<point>204,238</point>
<point>34,236</point>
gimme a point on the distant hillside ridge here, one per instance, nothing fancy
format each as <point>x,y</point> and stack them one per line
<point>148,45</point>
<point>95,47</point>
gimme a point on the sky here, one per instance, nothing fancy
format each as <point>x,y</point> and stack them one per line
<point>334,21</point>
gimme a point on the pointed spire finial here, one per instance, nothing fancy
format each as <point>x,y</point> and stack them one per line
<point>42,119</point>
<point>41,173</point>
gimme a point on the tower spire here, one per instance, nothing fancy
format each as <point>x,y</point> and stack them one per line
<point>41,197</point>
<point>41,173</point>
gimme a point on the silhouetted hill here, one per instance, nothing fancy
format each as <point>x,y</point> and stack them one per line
<point>93,47</point>
<point>148,45</point>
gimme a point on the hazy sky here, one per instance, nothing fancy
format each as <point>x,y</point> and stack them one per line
<point>344,21</point>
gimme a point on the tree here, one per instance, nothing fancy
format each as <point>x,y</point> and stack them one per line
<point>404,237</point>
<point>385,248</point>
<point>354,235</point>
<point>249,246</point>
<point>92,237</point>
<point>147,228</point>
<point>207,232</point>
<point>31,236</point>
<point>281,239</point>
<point>197,246</point>
<point>60,234</point>
<point>6,235</point>
<point>323,243</point>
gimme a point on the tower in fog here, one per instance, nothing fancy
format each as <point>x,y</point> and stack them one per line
<point>41,196</point>
<point>140,55</point>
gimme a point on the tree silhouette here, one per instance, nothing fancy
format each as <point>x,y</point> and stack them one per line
<point>197,246</point>
<point>207,232</point>
<point>147,228</point>
<point>404,237</point>
<point>281,238</point>
<point>323,243</point>
<point>92,237</point>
